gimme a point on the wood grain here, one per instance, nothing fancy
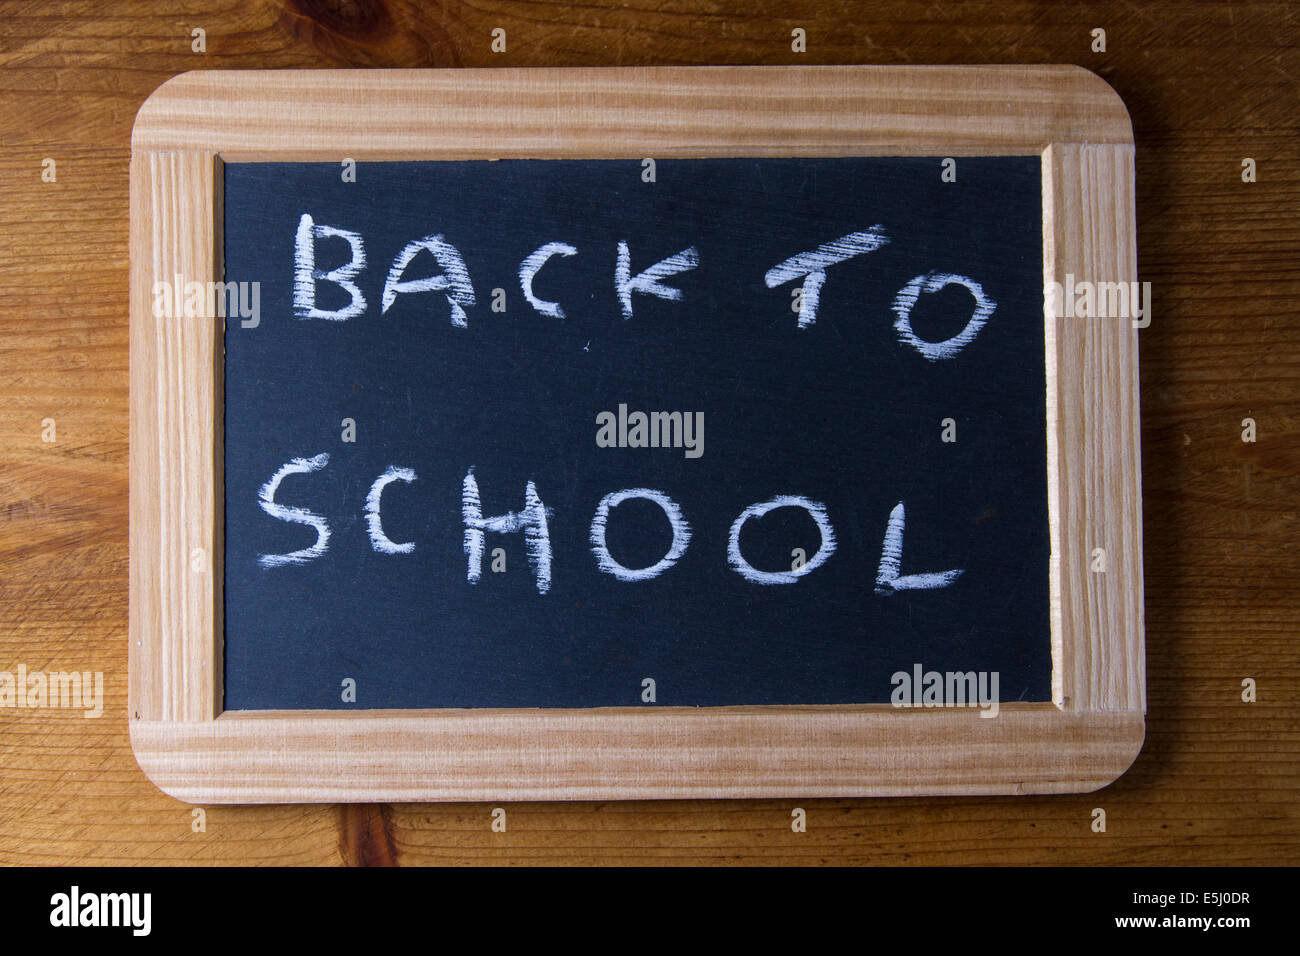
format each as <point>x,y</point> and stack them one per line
<point>1205,84</point>
<point>634,754</point>
<point>175,659</point>
<point>1094,456</point>
<point>679,112</point>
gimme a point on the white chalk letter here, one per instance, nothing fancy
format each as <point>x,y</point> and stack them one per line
<point>537,538</point>
<point>378,539</point>
<point>891,559</point>
<point>454,277</point>
<point>824,550</point>
<point>647,282</point>
<point>266,498</point>
<point>812,266</point>
<point>529,268</point>
<point>681,534</point>
<point>933,282</point>
<point>306,275</point>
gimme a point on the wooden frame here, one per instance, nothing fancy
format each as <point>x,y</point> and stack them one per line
<point>1087,737</point>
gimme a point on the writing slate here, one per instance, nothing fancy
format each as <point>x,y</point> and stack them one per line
<point>839,411</point>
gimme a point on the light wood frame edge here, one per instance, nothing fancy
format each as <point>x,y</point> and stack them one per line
<point>1069,115</point>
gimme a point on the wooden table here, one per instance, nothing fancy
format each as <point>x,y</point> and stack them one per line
<point>1207,86</point>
